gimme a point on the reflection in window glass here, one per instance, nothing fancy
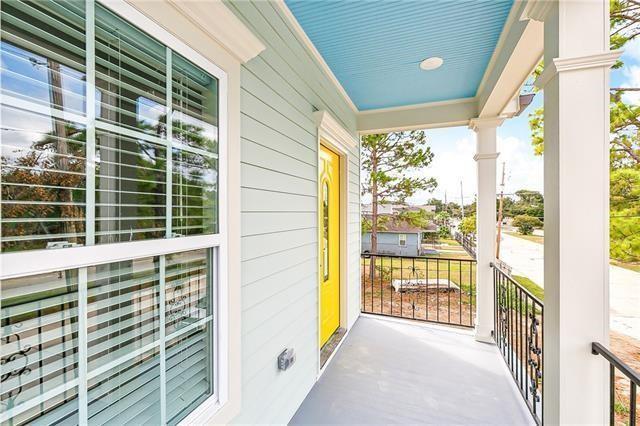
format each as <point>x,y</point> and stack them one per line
<point>43,60</point>
<point>195,106</point>
<point>130,189</point>
<point>123,318</point>
<point>41,343</point>
<point>39,350</point>
<point>130,75</point>
<point>189,302</point>
<point>43,181</point>
<point>195,194</point>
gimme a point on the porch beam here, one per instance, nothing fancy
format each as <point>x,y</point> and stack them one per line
<point>486,154</point>
<point>430,115</point>
<point>518,51</point>
<point>576,180</point>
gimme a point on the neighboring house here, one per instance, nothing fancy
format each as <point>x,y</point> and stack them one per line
<point>180,207</point>
<point>398,238</point>
<point>367,209</point>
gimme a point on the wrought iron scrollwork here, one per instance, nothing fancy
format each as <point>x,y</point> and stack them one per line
<point>535,356</point>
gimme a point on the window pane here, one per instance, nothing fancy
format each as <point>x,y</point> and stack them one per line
<point>43,53</point>
<point>43,181</point>
<point>39,347</point>
<point>188,289</point>
<point>189,371</point>
<point>43,154</point>
<point>195,106</point>
<point>195,194</point>
<point>123,313</point>
<point>130,75</point>
<point>128,393</point>
<point>130,189</point>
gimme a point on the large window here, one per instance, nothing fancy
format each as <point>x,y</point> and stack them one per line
<point>110,137</point>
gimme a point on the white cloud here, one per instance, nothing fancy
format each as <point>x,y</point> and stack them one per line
<point>451,166</point>
<point>523,169</point>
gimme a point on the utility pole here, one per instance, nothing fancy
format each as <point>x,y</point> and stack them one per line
<point>499,233</point>
<point>445,200</point>
<point>461,200</point>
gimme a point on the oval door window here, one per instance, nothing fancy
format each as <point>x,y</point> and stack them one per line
<point>325,230</point>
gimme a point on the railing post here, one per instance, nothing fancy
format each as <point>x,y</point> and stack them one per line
<point>485,157</point>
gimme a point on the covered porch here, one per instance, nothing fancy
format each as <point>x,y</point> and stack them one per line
<point>392,371</point>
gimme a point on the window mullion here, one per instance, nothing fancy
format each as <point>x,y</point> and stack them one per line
<point>169,127</point>
<point>163,361</point>
<point>83,348</point>
<point>90,213</point>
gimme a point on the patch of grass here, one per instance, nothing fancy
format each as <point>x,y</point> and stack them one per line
<point>532,287</point>
<point>533,238</point>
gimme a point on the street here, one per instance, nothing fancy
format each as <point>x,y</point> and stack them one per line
<point>527,259</point>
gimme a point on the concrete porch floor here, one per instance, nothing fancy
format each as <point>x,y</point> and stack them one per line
<point>394,372</point>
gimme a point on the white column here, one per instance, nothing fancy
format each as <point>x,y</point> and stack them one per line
<point>576,192</point>
<point>485,157</point>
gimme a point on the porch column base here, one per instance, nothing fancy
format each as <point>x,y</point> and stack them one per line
<point>483,336</point>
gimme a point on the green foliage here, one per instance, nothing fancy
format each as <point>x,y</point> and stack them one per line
<point>444,232</point>
<point>389,162</point>
<point>526,224</point>
<point>417,218</point>
<point>536,124</point>
<point>625,215</point>
<point>468,225</point>
<point>365,223</point>
<point>529,203</point>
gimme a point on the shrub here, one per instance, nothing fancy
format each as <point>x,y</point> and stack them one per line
<point>526,224</point>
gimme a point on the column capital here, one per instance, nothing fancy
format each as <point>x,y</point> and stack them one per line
<point>558,65</point>
<point>486,156</point>
<point>476,124</point>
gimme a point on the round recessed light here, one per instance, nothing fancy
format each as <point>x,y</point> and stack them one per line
<point>432,63</point>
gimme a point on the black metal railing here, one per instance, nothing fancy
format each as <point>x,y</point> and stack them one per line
<point>519,317</point>
<point>441,290</point>
<point>467,242</point>
<point>626,409</point>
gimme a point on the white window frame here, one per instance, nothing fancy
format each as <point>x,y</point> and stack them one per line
<point>402,240</point>
<point>34,262</point>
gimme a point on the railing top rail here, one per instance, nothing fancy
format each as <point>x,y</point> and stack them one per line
<point>399,256</point>
<point>599,349</point>
<point>514,282</point>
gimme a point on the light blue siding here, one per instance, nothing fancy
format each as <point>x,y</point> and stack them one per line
<point>389,243</point>
<point>281,88</point>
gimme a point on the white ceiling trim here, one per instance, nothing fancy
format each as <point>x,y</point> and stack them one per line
<point>316,54</point>
<point>415,106</point>
<point>504,35</point>
<point>214,18</point>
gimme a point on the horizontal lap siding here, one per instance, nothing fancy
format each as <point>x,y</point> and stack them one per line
<point>281,88</point>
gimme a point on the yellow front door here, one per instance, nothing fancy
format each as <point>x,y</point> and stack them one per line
<point>329,220</point>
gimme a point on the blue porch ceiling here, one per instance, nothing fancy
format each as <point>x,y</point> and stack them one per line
<point>374,48</point>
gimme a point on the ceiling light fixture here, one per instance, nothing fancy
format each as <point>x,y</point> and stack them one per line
<point>432,63</point>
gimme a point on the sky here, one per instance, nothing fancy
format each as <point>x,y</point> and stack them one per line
<point>454,148</point>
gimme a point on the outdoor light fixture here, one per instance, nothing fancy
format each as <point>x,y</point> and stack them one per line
<point>432,63</point>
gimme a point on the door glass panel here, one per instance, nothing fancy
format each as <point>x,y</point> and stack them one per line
<point>325,230</point>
